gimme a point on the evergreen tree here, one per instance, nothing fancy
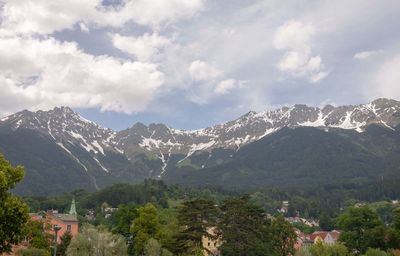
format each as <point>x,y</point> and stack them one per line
<point>13,212</point>
<point>396,219</point>
<point>195,218</point>
<point>244,228</point>
<point>325,222</point>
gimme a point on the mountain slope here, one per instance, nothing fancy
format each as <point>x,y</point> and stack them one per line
<point>100,156</point>
<point>305,156</point>
<point>162,141</point>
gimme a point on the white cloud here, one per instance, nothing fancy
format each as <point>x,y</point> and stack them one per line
<point>210,82</point>
<point>225,86</point>
<point>366,54</point>
<point>84,28</point>
<point>294,38</point>
<point>201,71</point>
<point>315,78</point>
<point>293,35</point>
<point>144,48</point>
<point>387,80</point>
<point>40,74</point>
<point>46,17</point>
<point>155,13</point>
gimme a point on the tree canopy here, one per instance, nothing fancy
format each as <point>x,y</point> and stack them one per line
<point>13,212</point>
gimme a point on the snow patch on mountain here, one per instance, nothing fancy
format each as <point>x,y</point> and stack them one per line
<point>63,124</point>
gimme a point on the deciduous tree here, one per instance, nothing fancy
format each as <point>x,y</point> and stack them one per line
<point>144,227</point>
<point>92,241</point>
<point>13,212</point>
<point>361,229</point>
<point>320,249</point>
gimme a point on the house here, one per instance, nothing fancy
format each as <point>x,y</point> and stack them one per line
<point>284,208</point>
<point>307,222</point>
<point>327,237</point>
<point>67,221</point>
<point>307,240</point>
<point>211,244</point>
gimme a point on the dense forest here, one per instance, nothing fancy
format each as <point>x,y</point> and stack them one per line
<point>172,206</point>
<point>152,218</point>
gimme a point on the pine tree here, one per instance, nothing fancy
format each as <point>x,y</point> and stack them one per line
<point>195,218</point>
<point>244,228</point>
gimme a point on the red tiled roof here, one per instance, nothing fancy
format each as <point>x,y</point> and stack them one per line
<point>322,234</point>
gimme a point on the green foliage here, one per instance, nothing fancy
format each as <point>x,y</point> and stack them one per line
<point>246,230</point>
<point>283,237</point>
<point>13,212</point>
<point>169,228</point>
<point>326,223</point>
<point>304,228</point>
<point>50,169</point>
<point>396,219</point>
<point>376,252</point>
<point>65,242</point>
<point>320,249</point>
<point>123,219</point>
<point>304,157</point>
<point>33,252</point>
<point>36,234</point>
<point>361,229</point>
<point>195,218</point>
<point>92,241</point>
<point>303,251</point>
<point>152,248</point>
<point>148,191</point>
<point>144,227</point>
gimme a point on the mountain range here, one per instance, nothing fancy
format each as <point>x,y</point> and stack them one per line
<point>62,151</point>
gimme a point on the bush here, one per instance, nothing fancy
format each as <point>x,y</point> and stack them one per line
<point>376,252</point>
<point>33,252</point>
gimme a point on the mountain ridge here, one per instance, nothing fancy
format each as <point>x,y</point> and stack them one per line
<point>154,150</point>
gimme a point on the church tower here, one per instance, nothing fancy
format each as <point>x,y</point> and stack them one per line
<point>72,210</point>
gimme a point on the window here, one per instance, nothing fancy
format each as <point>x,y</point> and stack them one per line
<point>69,227</point>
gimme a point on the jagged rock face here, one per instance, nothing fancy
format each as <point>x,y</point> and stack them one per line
<point>64,126</point>
<point>68,128</point>
<point>158,138</point>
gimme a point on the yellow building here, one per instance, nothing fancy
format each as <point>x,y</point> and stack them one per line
<point>211,245</point>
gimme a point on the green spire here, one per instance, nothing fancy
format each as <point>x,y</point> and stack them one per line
<point>72,210</point>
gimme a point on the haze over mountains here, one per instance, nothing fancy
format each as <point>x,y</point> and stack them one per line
<point>63,151</point>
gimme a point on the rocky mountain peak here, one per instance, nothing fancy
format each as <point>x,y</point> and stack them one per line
<point>67,128</point>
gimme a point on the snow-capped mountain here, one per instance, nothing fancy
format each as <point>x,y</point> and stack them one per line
<point>67,127</point>
<point>86,153</point>
<point>160,139</point>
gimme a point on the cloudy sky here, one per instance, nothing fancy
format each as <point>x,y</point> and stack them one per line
<point>194,63</point>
